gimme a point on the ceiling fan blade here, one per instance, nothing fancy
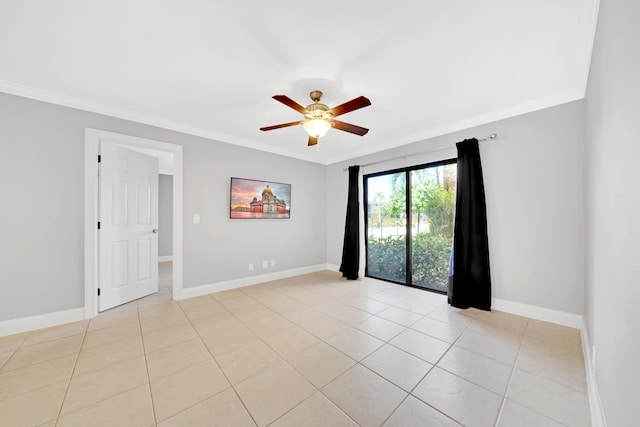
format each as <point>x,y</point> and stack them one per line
<point>283,125</point>
<point>312,141</point>
<point>291,103</point>
<point>348,106</point>
<point>348,127</point>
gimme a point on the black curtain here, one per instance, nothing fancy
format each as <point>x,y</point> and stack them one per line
<point>351,246</point>
<point>469,275</point>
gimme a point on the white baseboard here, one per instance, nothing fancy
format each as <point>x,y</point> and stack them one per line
<point>333,267</point>
<point>539,313</point>
<point>595,404</point>
<point>165,258</point>
<point>226,285</point>
<point>573,321</point>
<point>24,324</point>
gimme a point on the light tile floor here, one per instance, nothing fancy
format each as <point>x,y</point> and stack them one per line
<point>313,350</point>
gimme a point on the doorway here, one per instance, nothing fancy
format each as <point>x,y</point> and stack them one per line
<point>93,137</point>
<point>409,224</point>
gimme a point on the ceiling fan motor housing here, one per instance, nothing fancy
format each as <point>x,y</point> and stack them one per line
<point>318,111</point>
<point>316,95</point>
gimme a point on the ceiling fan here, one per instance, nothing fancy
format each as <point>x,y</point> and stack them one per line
<point>318,118</point>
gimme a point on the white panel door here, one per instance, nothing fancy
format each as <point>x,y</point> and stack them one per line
<point>128,248</point>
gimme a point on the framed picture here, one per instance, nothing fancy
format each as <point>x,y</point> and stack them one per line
<point>251,198</point>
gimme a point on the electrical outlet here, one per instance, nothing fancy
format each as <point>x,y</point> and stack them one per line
<point>250,267</point>
<point>265,264</point>
<point>273,263</point>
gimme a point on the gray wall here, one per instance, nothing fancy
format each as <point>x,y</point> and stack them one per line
<point>165,215</point>
<point>613,209</point>
<point>221,248</point>
<point>42,216</point>
<point>534,194</point>
<point>534,188</point>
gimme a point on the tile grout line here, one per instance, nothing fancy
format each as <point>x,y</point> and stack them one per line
<point>94,370</point>
<point>75,364</point>
<point>326,311</point>
<point>358,362</point>
<point>110,365</point>
<point>279,355</point>
<point>407,327</point>
<point>231,386</point>
<point>146,365</point>
<point>318,389</point>
<point>161,349</point>
<point>513,369</point>
<point>13,352</point>
<point>77,356</point>
<point>549,417</point>
<point>433,365</point>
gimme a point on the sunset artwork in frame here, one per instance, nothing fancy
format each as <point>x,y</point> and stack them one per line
<point>255,199</point>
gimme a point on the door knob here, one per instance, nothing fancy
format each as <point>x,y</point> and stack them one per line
<point>155,231</point>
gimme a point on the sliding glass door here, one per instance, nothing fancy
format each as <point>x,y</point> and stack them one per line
<point>409,224</point>
<point>386,220</point>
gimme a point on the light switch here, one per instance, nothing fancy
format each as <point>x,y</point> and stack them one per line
<point>196,219</point>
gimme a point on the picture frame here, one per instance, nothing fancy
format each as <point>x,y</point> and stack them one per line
<point>258,199</point>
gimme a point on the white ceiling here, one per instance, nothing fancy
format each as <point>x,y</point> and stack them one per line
<point>210,67</point>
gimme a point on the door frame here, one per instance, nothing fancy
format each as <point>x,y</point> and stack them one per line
<point>408,226</point>
<point>91,195</point>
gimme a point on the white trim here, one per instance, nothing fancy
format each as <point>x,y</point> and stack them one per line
<point>573,321</point>
<point>493,116</point>
<point>588,12</point>
<point>595,404</point>
<point>92,142</point>
<point>333,267</point>
<point>148,119</point>
<point>197,291</point>
<point>465,125</point>
<point>539,313</point>
<point>165,258</point>
<point>16,326</point>
<point>90,226</point>
<point>24,324</point>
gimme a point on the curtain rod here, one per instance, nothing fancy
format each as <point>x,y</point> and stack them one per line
<point>488,138</point>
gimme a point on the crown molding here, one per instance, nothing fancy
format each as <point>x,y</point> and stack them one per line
<point>120,113</point>
<point>98,108</point>
<point>483,119</point>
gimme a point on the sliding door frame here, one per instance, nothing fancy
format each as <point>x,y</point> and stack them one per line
<point>408,226</point>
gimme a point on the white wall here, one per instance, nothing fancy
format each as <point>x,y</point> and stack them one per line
<point>613,209</point>
<point>534,188</point>
<point>41,214</point>
<point>165,215</point>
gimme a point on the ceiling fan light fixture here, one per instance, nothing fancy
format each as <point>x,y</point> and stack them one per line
<point>317,127</point>
<point>318,118</point>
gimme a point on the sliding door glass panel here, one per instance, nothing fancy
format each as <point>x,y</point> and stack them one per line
<point>432,209</point>
<point>387,227</point>
<point>409,224</point>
